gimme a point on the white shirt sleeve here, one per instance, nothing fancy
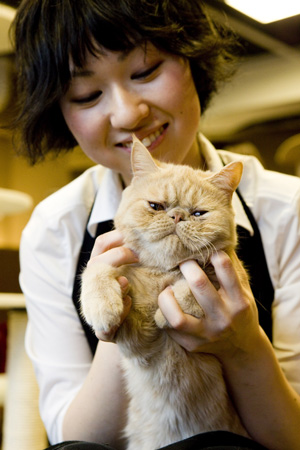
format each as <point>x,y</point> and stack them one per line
<point>274,199</point>
<point>55,340</point>
<point>286,306</point>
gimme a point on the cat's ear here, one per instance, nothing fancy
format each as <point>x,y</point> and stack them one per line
<point>229,177</point>
<point>142,162</point>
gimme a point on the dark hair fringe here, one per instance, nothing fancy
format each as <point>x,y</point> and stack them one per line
<point>47,33</point>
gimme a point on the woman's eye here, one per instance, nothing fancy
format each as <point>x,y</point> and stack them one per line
<point>146,73</point>
<point>88,99</point>
<point>156,206</point>
<point>199,213</point>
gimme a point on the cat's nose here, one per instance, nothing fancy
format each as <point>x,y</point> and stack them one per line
<point>177,216</point>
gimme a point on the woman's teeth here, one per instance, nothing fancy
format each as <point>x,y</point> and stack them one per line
<point>147,141</point>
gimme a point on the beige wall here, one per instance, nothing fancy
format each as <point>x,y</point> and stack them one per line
<point>38,181</point>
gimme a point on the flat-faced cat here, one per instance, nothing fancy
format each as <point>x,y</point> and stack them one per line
<point>168,214</point>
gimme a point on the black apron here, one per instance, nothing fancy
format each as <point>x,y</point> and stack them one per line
<point>250,251</point>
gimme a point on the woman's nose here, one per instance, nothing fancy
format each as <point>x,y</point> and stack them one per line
<point>128,109</point>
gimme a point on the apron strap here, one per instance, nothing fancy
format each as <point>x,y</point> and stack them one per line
<point>251,252</point>
<point>84,256</point>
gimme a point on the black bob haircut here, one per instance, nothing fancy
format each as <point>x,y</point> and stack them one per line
<point>47,33</point>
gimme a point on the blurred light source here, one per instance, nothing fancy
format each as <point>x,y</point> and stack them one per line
<point>288,154</point>
<point>266,11</point>
<point>13,202</point>
<point>7,15</point>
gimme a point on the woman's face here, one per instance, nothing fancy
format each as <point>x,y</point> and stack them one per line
<point>146,92</point>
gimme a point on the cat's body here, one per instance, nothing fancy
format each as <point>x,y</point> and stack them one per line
<point>167,215</point>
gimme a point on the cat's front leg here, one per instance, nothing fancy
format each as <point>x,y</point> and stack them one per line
<point>185,299</point>
<point>101,297</point>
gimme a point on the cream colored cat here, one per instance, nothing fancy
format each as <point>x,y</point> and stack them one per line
<point>167,215</point>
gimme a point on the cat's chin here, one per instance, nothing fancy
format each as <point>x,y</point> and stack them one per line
<point>203,262</point>
<point>171,262</point>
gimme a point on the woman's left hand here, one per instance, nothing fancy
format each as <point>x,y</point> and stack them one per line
<point>268,406</point>
<point>230,324</point>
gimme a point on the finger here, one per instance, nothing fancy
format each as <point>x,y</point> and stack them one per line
<point>188,341</point>
<point>123,282</point>
<point>116,257</point>
<point>127,301</point>
<point>240,269</point>
<point>173,313</point>
<point>170,307</point>
<point>234,285</point>
<point>224,270</point>
<point>107,241</point>
<point>231,275</point>
<point>203,290</point>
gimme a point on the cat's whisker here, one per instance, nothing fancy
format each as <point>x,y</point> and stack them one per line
<point>210,249</point>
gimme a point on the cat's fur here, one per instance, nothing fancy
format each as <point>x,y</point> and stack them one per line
<point>173,394</point>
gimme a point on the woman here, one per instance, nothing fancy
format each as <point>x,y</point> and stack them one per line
<point>92,72</point>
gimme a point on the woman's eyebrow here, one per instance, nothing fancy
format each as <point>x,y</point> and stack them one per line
<point>78,72</point>
<point>75,73</point>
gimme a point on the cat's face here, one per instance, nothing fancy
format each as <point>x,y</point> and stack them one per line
<point>173,213</point>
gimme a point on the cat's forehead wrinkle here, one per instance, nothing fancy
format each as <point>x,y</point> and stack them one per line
<point>178,185</point>
<point>178,192</point>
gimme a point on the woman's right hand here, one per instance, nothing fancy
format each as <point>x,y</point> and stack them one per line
<point>109,249</point>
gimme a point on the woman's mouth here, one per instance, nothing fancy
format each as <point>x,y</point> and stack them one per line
<point>149,141</point>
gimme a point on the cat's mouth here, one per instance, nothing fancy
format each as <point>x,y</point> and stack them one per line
<point>186,248</point>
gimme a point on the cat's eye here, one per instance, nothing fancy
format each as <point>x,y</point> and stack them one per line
<point>156,206</point>
<point>199,213</point>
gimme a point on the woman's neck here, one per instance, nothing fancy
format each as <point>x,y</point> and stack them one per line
<point>195,157</point>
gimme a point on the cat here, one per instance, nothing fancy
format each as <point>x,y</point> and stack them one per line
<point>168,214</point>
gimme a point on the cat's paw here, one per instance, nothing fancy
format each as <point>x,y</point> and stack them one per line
<point>101,298</point>
<point>160,320</point>
<point>186,300</point>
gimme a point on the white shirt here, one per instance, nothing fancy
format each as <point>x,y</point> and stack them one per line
<point>49,251</point>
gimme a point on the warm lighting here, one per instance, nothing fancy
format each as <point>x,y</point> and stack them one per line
<point>7,15</point>
<point>13,202</point>
<point>266,11</point>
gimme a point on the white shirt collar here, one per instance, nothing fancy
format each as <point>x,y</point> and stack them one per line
<point>107,200</point>
<point>214,163</point>
<point>109,193</point>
